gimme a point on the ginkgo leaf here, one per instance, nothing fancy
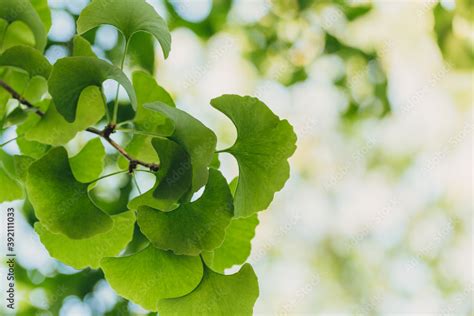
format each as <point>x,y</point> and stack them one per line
<point>217,295</point>
<point>60,202</point>
<point>81,47</point>
<point>148,90</point>
<point>88,252</point>
<point>152,274</point>
<point>41,6</point>
<point>54,130</point>
<point>141,51</point>
<point>21,164</point>
<point>236,246</point>
<point>27,147</point>
<point>89,163</point>
<point>71,75</point>
<point>27,59</point>
<point>193,226</point>
<point>10,189</point>
<point>141,148</point>
<point>23,10</point>
<point>264,144</point>
<point>173,179</point>
<point>198,140</point>
<point>18,33</point>
<point>129,17</point>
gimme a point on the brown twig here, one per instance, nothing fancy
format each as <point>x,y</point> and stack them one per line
<point>105,133</point>
<point>20,99</point>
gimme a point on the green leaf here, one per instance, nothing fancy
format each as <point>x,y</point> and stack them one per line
<point>54,130</point>
<point>173,180</point>
<point>71,75</point>
<point>152,274</point>
<point>217,294</point>
<point>88,252</point>
<point>194,226</point>
<point>15,117</point>
<point>23,10</point>
<point>148,90</point>
<point>10,189</point>
<point>60,202</point>
<point>142,51</point>
<point>140,148</point>
<point>89,163</point>
<point>198,140</point>
<point>22,163</point>
<point>129,17</point>
<point>17,33</point>
<point>27,59</point>
<point>33,149</point>
<point>264,143</point>
<point>82,47</point>
<point>41,6</point>
<point>27,147</point>
<point>236,246</point>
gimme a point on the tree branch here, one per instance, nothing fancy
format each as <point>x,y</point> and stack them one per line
<point>20,99</point>
<point>105,133</point>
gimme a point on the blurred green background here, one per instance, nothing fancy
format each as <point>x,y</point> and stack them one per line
<point>377,216</point>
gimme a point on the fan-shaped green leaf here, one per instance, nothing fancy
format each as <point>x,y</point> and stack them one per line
<point>264,143</point>
<point>41,6</point>
<point>88,252</point>
<point>71,75</point>
<point>89,163</point>
<point>60,202</point>
<point>217,295</point>
<point>148,90</point>
<point>236,246</point>
<point>53,129</point>
<point>198,140</point>
<point>152,274</point>
<point>30,147</point>
<point>129,16</point>
<point>81,47</point>
<point>27,59</point>
<point>194,226</point>
<point>10,189</point>
<point>22,163</point>
<point>17,33</point>
<point>23,10</point>
<point>173,180</point>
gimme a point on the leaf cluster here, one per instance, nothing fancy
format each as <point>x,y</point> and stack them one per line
<point>176,265</point>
